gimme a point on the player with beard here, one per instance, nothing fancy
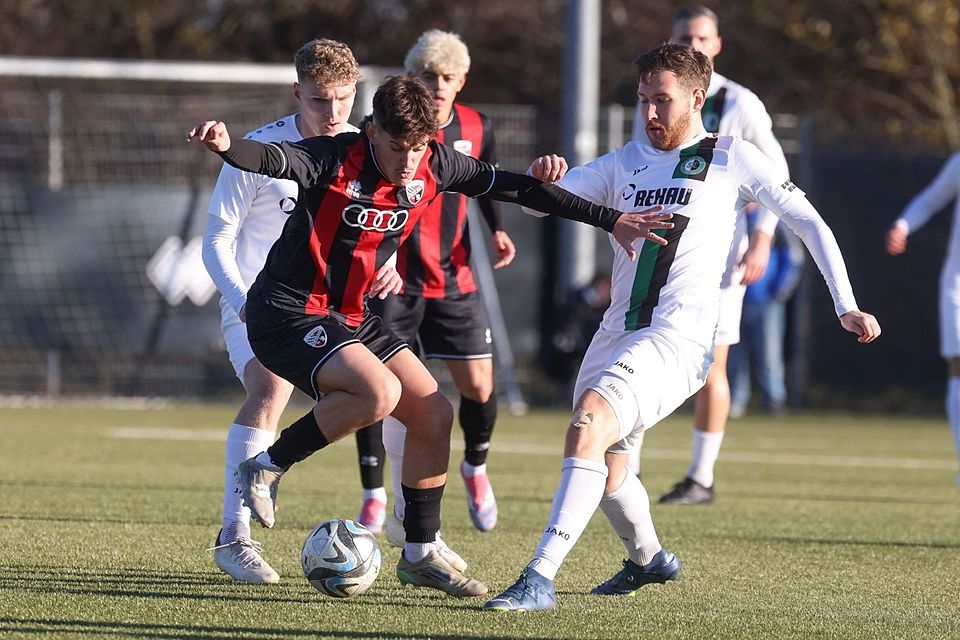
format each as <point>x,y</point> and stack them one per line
<point>653,349</point>
<point>361,195</point>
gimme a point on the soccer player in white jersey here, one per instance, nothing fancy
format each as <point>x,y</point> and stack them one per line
<point>246,214</point>
<point>944,188</point>
<point>730,110</point>
<point>654,347</point>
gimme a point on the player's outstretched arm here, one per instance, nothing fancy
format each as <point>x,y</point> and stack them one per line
<point>213,134</point>
<point>863,324</point>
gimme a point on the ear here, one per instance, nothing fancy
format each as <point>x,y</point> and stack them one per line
<point>371,130</point>
<point>296,91</point>
<point>699,99</point>
<point>463,81</point>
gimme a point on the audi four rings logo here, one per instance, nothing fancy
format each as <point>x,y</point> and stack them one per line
<point>373,219</point>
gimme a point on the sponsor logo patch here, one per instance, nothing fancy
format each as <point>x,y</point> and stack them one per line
<point>369,219</point>
<point>316,337</point>
<point>463,146</point>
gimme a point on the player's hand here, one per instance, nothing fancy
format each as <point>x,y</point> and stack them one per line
<point>896,242</point>
<point>755,260</point>
<point>504,247</point>
<point>213,134</point>
<point>863,324</point>
<point>548,168</point>
<point>387,282</point>
<point>631,227</point>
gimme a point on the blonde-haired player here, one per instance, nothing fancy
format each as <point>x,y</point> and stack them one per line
<point>440,308</point>
<point>246,214</point>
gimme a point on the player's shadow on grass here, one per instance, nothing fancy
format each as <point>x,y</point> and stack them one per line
<point>878,499</point>
<point>833,541</point>
<point>181,632</point>
<point>200,586</point>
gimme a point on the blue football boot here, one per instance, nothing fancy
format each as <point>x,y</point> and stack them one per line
<point>531,592</point>
<point>664,566</point>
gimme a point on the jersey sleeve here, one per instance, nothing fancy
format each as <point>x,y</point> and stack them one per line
<point>757,127</point>
<point>761,183</point>
<point>944,188</point>
<point>220,259</point>
<point>305,162</point>
<point>233,194</point>
<point>490,209</point>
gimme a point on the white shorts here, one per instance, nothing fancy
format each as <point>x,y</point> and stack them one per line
<point>644,375</point>
<point>235,337</point>
<point>728,321</point>
<point>950,315</point>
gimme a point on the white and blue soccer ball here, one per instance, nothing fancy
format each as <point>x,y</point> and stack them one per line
<point>340,558</point>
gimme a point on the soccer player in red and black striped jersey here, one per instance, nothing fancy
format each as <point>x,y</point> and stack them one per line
<point>307,319</point>
<point>440,309</point>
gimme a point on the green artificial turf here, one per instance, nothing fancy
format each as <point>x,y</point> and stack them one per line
<point>825,526</point>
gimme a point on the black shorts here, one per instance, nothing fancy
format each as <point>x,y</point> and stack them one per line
<point>453,328</point>
<point>294,345</point>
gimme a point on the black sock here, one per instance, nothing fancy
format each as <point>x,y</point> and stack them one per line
<point>477,422</point>
<point>297,442</point>
<point>370,453</point>
<point>421,519</point>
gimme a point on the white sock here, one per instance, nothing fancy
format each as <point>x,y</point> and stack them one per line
<point>394,435</point>
<point>242,443</point>
<point>953,410</point>
<point>577,497</point>
<point>417,551</point>
<point>379,494</point>
<point>469,470</point>
<point>706,450</point>
<point>628,510</point>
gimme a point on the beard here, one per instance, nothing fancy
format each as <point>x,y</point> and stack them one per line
<point>667,138</point>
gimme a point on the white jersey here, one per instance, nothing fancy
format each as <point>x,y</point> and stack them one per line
<point>733,110</point>
<point>944,188</point>
<point>677,286</point>
<point>253,209</point>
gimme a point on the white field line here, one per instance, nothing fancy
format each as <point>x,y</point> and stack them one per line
<point>744,457</point>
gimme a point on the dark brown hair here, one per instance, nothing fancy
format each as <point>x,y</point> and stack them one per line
<point>403,107</point>
<point>692,68</point>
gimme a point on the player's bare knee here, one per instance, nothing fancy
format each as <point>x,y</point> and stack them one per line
<point>384,396</point>
<point>435,418</point>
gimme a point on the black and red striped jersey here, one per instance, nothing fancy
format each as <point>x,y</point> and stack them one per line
<point>434,262</point>
<point>349,220</point>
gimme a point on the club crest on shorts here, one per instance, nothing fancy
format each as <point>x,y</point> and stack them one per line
<point>463,146</point>
<point>414,190</point>
<point>316,337</point>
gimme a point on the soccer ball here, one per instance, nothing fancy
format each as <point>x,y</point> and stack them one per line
<point>340,558</point>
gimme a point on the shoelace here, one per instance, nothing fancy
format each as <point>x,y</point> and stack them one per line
<point>245,544</point>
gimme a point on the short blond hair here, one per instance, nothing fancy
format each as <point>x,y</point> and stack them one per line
<point>326,63</point>
<point>436,50</point>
